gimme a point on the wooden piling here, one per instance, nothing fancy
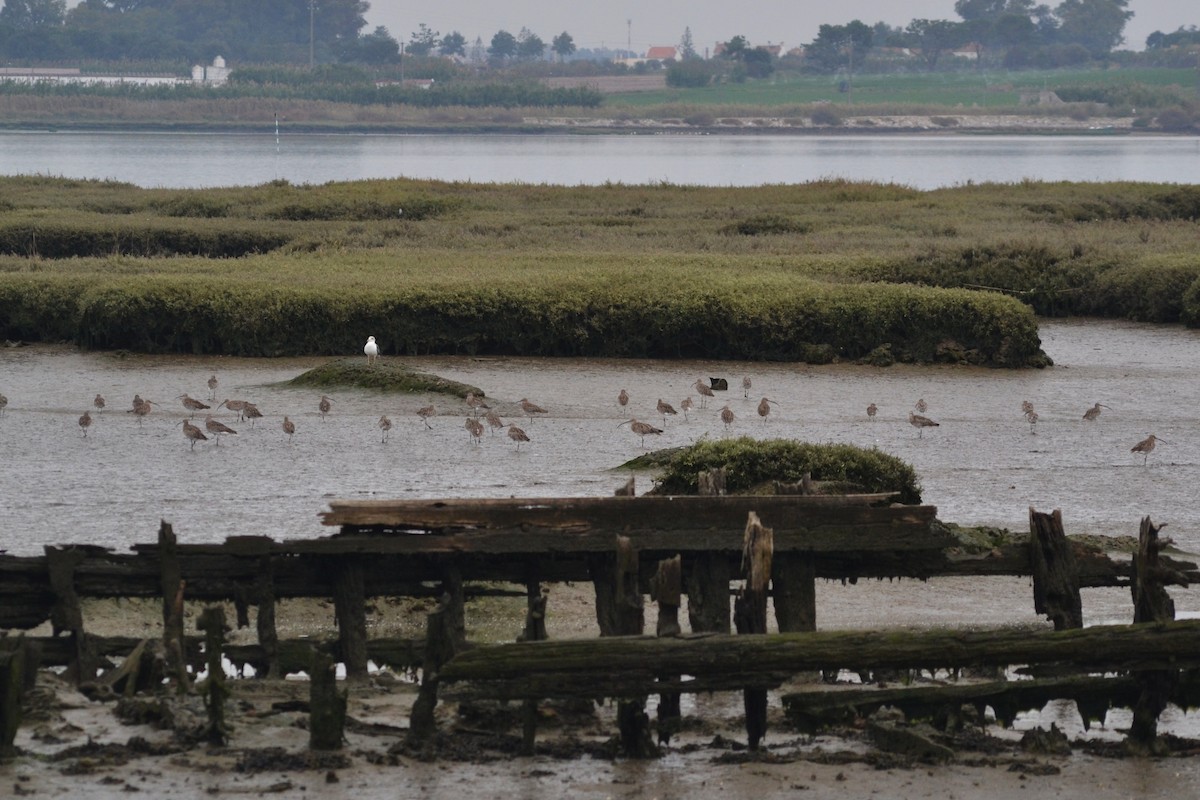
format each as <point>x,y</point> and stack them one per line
<point>268,636</point>
<point>750,614</point>
<point>12,688</point>
<point>212,622</point>
<point>350,610</point>
<point>172,586</point>
<point>1055,573</point>
<point>708,574</point>
<point>327,705</point>
<point>67,614</point>
<point>666,589</point>
<point>1151,604</point>
<point>535,631</point>
<point>442,642</point>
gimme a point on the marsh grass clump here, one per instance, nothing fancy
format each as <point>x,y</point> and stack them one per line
<point>765,224</point>
<point>383,375</point>
<point>751,463</point>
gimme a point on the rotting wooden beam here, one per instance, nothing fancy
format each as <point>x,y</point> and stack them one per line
<point>1151,604</point>
<point>1055,575</point>
<point>750,615</point>
<point>67,614</point>
<point>666,589</point>
<point>349,604</point>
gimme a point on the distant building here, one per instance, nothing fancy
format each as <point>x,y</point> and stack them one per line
<point>213,75</point>
<point>664,53</point>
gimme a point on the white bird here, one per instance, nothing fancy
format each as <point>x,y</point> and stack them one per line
<point>371,350</point>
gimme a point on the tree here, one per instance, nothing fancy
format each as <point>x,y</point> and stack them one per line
<point>1097,25</point>
<point>992,10</point>
<point>735,48</point>
<point>423,41</point>
<point>687,47</point>
<point>562,45</point>
<point>758,62</point>
<point>530,46</point>
<point>691,73</point>
<point>837,46</point>
<point>934,38</point>
<point>504,46</point>
<point>378,47</point>
<point>453,44</point>
<point>28,15</point>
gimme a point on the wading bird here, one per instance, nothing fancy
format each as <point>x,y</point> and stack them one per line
<point>475,402</point>
<point>289,427</point>
<point>251,412</point>
<point>236,406</point>
<point>216,428</point>
<point>517,435</point>
<point>98,402</point>
<point>920,423</point>
<point>385,426</point>
<point>704,392</point>
<point>85,422</point>
<point>727,416</point>
<point>324,406</point>
<point>192,404</point>
<point>764,408</point>
<point>531,408</point>
<point>193,433</point>
<point>1146,447</point>
<point>141,407</point>
<point>623,398</point>
<point>685,406</point>
<point>1026,407</point>
<point>664,409</point>
<point>872,410</point>
<point>371,350</point>
<point>212,387</point>
<point>425,413</point>
<point>475,429</point>
<point>746,387</point>
<point>1093,412</point>
<point>642,429</point>
<point>3,404</point>
<point>922,406</point>
<point>493,421</point>
<point>1032,418</point>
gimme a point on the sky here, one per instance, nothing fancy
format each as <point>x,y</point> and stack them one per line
<point>643,23</point>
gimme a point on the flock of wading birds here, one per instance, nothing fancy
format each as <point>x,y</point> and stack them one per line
<point>477,407</point>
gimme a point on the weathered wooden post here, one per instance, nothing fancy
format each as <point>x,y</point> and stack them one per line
<point>441,643</point>
<point>750,613</point>
<point>327,706</point>
<point>212,622</point>
<point>535,631</point>
<point>350,610</point>
<point>708,574</point>
<point>666,588</point>
<point>268,636</point>
<point>171,580</point>
<point>1055,573</point>
<point>619,612</point>
<point>1151,603</point>
<point>67,614</point>
<point>12,687</point>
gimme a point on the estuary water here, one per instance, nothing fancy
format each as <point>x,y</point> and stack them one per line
<point>191,160</point>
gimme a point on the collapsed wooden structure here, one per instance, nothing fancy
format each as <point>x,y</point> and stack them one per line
<point>627,547</point>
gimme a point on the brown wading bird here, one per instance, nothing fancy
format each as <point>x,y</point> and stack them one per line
<point>1146,447</point>
<point>193,433</point>
<point>764,408</point>
<point>872,410</point>
<point>642,429</point>
<point>1032,418</point>
<point>685,406</point>
<point>920,423</point>
<point>140,407</point>
<point>425,413</point>
<point>216,428</point>
<point>385,425</point>
<point>475,402</point>
<point>3,404</point>
<point>251,412</point>
<point>922,406</point>
<point>236,406</point>
<point>1093,412</point>
<point>664,409</point>
<point>531,408</point>
<point>517,435</point>
<point>289,427</point>
<point>746,387</point>
<point>704,392</point>
<point>212,387</point>
<point>85,422</point>
<point>1026,407</point>
<point>493,421</point>
<point>623,398</point>
<point>324,406</point>
<point>98,402</point>
<point>192,404</point>
<point>727,416</point>
<point>475,429</point>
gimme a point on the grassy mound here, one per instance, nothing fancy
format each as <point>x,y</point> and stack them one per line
<point>383,375</point>
<point>750,463</point>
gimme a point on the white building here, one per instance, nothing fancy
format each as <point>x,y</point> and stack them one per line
<point>214,75</point>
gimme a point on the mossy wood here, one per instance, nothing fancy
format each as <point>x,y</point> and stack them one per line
<point>632,666</point>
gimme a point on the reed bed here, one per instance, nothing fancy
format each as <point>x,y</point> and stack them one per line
<point>829,270</point>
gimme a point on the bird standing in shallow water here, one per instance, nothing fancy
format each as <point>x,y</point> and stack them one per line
<point>192,404</point>
<point>704,392</point>
<point>1146,447</point>
<point>623,398</point>
<point>493,421</point>
<point>3,404</point>
<point>85,422</point>
<point>216,428</point>
<point>921,423</point>
<point>236,406</point>
<point>1032,418</point>
<point>764,408</point>
<point>685,406</point>
<point>251,412</point>
<point>324,406</point>
<point>664,409</point>
<point>385,425</point>
<point>531,408</point>
<point>425,413</point>
<point>922,406</point>
<point>727,416</point>
<point>289,427</point>
<point>517,435</point>
<point>746,384</point>
<point>475,429</point>
<point>642,429</point>
<point>1093,412</point>
<point>371,350</point>
<point>872,410</point>
<point>212,387</point>
<point>475,402</point>
<point>193,433</point>
<point>98,402</point>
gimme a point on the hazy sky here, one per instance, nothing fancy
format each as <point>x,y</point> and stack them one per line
<point>595,23</point>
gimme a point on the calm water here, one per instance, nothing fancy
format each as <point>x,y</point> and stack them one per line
<point>925,162</point>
